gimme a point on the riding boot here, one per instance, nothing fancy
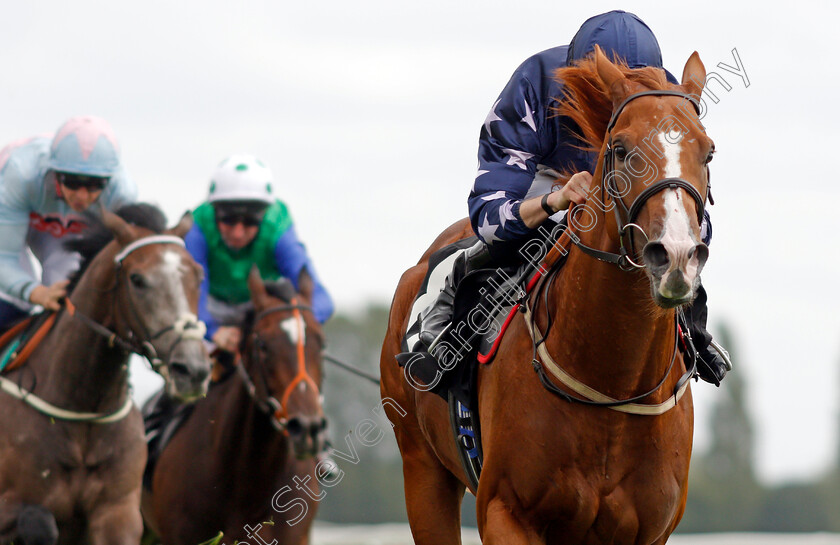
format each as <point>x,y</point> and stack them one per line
<point>436,318</point>
<point>712,359</point>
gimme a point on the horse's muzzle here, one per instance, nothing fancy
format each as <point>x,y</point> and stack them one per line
<point>674,270</point>
<point>307,435</point>
<point>189,371</point>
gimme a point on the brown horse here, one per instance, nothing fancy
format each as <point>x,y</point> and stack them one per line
<point>70,469</point>
<point>557,471</point>
<point>245,456</point>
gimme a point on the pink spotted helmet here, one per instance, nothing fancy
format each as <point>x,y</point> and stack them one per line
<point>85,145</point>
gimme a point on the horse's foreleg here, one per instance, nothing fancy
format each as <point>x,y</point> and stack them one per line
<point>433,501</point>
<point>499,526</point>
<point>117,523</point>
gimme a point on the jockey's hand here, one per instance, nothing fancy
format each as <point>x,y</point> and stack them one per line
<point>574,191</point>
<point>228,338</point>
<point>49,297</point>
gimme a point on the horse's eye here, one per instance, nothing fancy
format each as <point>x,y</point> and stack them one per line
<point>137,280</point>
<point>620,153</point>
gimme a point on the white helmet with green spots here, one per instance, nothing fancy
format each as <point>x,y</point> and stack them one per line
<point>241,177</point>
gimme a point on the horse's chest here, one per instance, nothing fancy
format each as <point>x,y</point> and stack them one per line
<point>74,468</point>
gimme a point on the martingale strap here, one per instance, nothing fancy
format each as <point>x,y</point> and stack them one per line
<point>52,411</point>
<point>589,395</point>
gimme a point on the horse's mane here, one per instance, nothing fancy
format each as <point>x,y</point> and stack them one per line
<point>586,99</point>
<point>97,236</point>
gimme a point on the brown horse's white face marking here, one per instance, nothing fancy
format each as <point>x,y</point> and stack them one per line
<point>661,138</point>
<point>678,236</point>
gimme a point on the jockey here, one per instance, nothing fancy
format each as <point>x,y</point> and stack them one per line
<point>523,149</point>
<point>46,183</point>
<point>243,224</point>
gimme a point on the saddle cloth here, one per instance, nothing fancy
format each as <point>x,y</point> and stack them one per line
<point>485,303</point>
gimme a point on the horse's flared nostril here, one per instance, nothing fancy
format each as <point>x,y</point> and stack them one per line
<point>656,255</point>
<point>701,252</point>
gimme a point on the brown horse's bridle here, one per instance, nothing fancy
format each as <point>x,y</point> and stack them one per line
<point>623,258</point>
<point>187,326</point>
<point>270,405</point>
<point>625,262</point>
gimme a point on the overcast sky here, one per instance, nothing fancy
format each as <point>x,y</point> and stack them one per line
<point>368,112</point>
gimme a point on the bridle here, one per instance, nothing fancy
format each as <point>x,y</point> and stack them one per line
<point>623,258</point>
<point>187,326</point>
<point>625,219</point>
<point>276,409</point>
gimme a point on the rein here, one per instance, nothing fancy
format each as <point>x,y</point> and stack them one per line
<point>270,405</point>
<point>187,326</point>
<point>588,395</point>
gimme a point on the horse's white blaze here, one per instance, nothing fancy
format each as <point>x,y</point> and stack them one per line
<point>171,270</point>
<point>672,156</point>
<point>292,329</point>
<point>677,236</point>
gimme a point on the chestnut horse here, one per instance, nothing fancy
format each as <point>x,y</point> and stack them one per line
<point>72,448</point>
<point>558,471</point>
<point>244,455</point>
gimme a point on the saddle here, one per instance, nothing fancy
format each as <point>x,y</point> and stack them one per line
<point>486,301</point>
<point>18,342</point>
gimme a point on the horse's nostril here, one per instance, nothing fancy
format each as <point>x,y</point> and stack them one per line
<point>177,368</point>
<point>295,427</point>
<point>656,255</point>
<point>186,371</point>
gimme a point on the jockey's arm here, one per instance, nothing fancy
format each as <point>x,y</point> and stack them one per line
<point>196,245</point>
<point>573,191</point>
<point>14,225</point>
<point>291,258</point>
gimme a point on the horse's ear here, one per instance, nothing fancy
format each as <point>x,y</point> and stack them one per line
<point>122,230</point>
<point>694,75</point>
<point>306,286</point>
<point>256,285</point>
<point>611,76</point>
<point>184,225</point>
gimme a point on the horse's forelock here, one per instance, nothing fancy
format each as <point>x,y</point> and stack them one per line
<point>96,236</point>
<point>586,99</point>
<point>282,289</point>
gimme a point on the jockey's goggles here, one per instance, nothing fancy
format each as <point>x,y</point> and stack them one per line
<point>247,220</point>
<point>75,182</point>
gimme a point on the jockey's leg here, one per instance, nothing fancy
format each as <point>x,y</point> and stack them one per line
<point>712,359</point>
<point>434,320</point>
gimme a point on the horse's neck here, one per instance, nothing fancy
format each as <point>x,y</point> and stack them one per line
<point>606,329</point>
<point>253,446</point>
<point>80,371</point>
